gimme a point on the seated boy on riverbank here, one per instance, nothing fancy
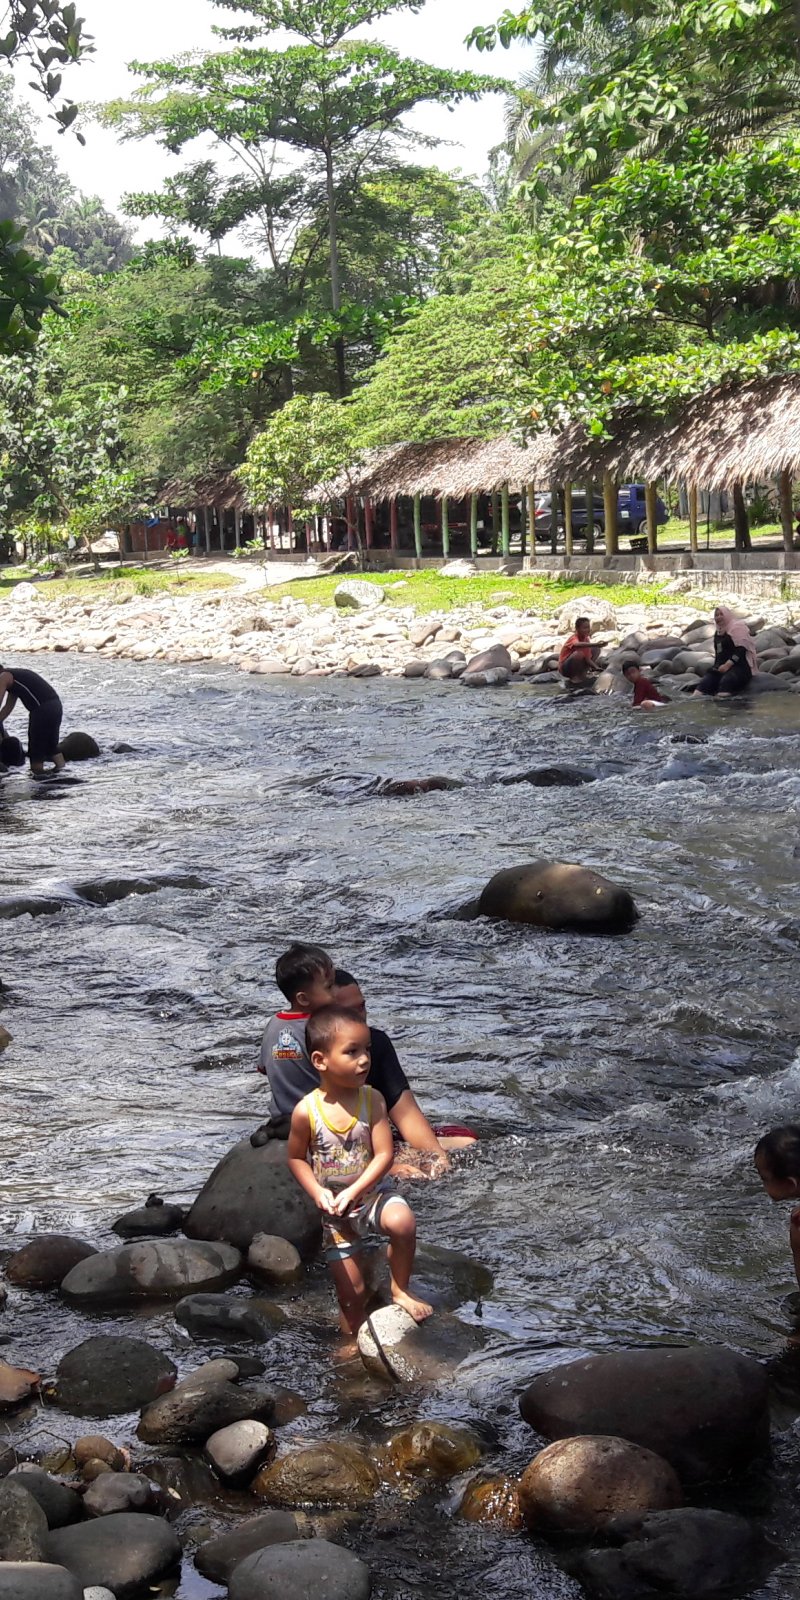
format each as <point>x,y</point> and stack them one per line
<point>340,1151</point>
<point>646,697</point>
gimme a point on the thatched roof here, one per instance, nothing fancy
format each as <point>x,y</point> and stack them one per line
<point>452,467</point>
<point>220,488</point>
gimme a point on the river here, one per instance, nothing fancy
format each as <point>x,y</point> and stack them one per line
<point>619,1085</point>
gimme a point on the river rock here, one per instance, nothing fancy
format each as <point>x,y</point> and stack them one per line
<point>558,894</point>
<point>17,1384</point>
<point>497,655</point>
<point>552,777</point>
<point>23,1524</point>
<point>270,667</point>
<point>579,1485</point>
<point>153,1269</point>
<point>252,1191</point>
<point>46,1260</point>
<point>38,1580</point>
<point>494,1501</point>
<point>600,612</point>
<point>223,1316</point>
<point>200,1405</point>
<point>238,1451</point>
<point>415,669</point>
<point>355,594</point>
<point>685,1552</point>
<point>299,1570</point>
<point>488,678</point>
<point>432,1450</point>
<point>388,1344</point>
<point>401,787</point>
<point>217,1558</point>
<point>79,747</point>
<point>60,1504</point>
<point>149,1221</point>
<point>273,1260</point>
<point>328,1473</point>
<point>119,1491</point>
<point>127,1552</point>
<point>702,1409</point>
<point>108,1375</point>
<point>93,1447</point>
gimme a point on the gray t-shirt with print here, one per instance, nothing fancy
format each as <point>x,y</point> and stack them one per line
<point>286,1062</point>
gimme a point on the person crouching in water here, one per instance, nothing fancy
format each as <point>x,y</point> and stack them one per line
<point>340,1150</point>
<point>646,697</point>
<point>577,661</point>
<point>777,1161</point>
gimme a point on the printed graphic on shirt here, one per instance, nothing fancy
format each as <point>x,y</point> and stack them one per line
<point>287,1047</point>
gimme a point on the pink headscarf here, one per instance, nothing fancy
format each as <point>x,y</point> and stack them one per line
<point>738,631</point>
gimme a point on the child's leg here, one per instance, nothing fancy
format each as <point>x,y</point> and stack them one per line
<point>398,1223</point>
<point>350,1291</point>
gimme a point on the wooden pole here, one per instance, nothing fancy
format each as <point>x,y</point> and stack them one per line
<point>473,526</point>
<point>207,523</point>
<point>568,519</point>
<point>393,524</point>
<point>237,527</point>
<point>523,523</point>
<point>445,527</point>
<point>350,522</point>
<point>505,519</point>
<point>368,523</point>
<point>651,506</point>
<point>271,527</point>
<point>693,518</point>
<point>555,498</point>
<point>787,513</point>
<point>531,493</point>
<point>418,525</point>
<point>589,518</point>
<point>610,503</point>
<point>495,520</point>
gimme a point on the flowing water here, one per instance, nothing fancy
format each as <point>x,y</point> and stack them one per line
<point>619,1085</point>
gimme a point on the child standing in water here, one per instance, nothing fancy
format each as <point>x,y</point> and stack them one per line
<point>777,1160</point>
<point>340,1150</point>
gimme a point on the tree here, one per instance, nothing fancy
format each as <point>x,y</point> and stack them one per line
<point>305,444</point>
<point>336,101</point>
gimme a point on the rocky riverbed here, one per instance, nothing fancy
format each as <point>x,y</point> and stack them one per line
<point>366,635</point>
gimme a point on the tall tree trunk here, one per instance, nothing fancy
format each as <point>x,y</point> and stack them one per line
<point>336,291</point>
<point>741,521</point>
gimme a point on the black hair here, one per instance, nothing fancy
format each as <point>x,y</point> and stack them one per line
<point>299,963</point>
<point>345,980</point>
<point>579,620</point>
<point>780,1151</point>
<point>322,1028</point>
<point>626,665</point>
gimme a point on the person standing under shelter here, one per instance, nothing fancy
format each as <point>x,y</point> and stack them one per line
<point>44,710</point>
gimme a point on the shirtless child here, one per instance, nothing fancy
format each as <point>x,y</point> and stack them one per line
<point>340,1150</point>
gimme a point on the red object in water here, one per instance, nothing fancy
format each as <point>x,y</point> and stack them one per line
<point>454,1130</point>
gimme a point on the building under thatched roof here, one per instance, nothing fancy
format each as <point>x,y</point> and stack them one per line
<point>220,489</point>
<point>443,468</point>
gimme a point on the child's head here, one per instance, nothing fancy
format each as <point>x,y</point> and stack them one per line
<point>777,1161</point>
<point>632,671</point>
<point>583,627</point>
<point>348,993</point>
<point>338,1044</point>
<point>304,973</point>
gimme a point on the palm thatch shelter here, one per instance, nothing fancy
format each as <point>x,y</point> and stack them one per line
<point>207,499</point>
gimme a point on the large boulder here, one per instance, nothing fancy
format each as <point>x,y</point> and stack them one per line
<point>217,1558</point>
<point>46,1260</point>
<point>558,894</point>
<point>355,594</point>
<point>60,1504</point>
<point>684,1552</point>
<point>329,1473</point>
<point>128,1552</point>
<point>252,1191</point>
<point>79,747</point>
<point>107,1375</point>
<point>580,1485</point>
<point>299,1570</point>
<point>600,612</point>
<point>38,1580</point>
<point>23,1524</point>
<point>703,1409</point>
<point>204,1402</point>
<point>152,1270</point>
<point>497,655</point>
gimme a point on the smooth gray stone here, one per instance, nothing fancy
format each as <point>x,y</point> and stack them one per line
<point>126,1552</point>
<point>297,1571</point>
<point>37,1580</point>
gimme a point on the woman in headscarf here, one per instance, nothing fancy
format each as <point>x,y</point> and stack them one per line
<point>735,658</point>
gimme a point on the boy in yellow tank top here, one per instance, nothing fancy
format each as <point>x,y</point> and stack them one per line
<point>340,1150</point>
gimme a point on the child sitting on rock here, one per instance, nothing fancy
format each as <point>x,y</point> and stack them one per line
<point>340,1150</point>
<point>646,697</point>
<point>777,1160</point>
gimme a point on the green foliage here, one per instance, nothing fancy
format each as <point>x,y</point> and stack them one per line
<point>26,292</point>
<point>46,35</point>
<point>306,443</point>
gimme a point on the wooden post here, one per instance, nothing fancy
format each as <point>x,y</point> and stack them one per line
<point>473,526</point>
<point>787,513</point>
<point>445,527</point>
<point>237,526</point>
<point>651,506</point>
<point>523,521</point>
<point>418,525</point>
<point>368,523</point>
<point>207,524</point>
<point>393,524</point>
<point>350,522</point>
<point>741,521</point>
<point>495,520</point>
<point>531,493</point>
<point>555,499</point>
<point>693,518</point>
<point>505,518</point>
<point>589,491</point>
<point>568,519</point>
<point>144,525</point>
<point>610,507</point>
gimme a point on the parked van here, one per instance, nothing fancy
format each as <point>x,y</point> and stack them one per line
<point>631,513</point>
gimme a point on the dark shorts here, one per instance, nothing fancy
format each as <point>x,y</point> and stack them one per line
<point>44,728</point>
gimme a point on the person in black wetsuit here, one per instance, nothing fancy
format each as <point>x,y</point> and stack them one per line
<point>735,658</point>
<point>44,714</point>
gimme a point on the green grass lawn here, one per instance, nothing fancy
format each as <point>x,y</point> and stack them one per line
<point>429,591</point>
<point>118,583</point>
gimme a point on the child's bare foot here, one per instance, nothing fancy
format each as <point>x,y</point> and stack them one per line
<point>418,1309</point>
